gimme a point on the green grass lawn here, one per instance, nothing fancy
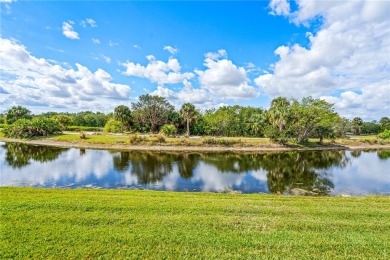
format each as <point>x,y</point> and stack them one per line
<point>62,224</point>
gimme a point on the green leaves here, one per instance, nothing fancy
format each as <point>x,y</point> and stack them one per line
<point>17,112</point>
<point>38,126</point>
<point>152,110</point>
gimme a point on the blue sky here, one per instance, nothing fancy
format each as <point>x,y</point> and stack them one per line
<point>72,56</point>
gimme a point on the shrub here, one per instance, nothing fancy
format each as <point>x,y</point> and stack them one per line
<point>83,135</point>
<point>223,142</point>
<point>83,128</point>
<point>136,138</point>
<point>25,128</point>
<point>385,135</point>
<point>112,126</point>
<point>168,130</point>
<point>160,138</point>
<point>209,140</point>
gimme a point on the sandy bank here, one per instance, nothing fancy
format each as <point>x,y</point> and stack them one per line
<point>178,148</point>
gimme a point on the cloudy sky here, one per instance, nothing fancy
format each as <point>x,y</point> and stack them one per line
<point>73,56</point>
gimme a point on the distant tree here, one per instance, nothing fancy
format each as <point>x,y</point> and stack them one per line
<point>175,119</point>
<point>279,113</point>
<point>311,117</point>
<point>152,110</point>
<point>189,113</point>
<point>370,128</point>
<point>63,120</point>
<point>356,124</point>
<point>123,114</point>
<point>341,126</point>
<point>17,112</point>
<point>384,122</point>
<point>278,117</point>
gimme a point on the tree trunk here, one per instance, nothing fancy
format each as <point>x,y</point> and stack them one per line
<point>188,128</point>
<point>154,126</point>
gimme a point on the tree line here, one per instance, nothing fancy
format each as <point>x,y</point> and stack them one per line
<point>286,119</point>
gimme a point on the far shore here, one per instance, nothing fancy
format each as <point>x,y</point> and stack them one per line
<point>171,147</point>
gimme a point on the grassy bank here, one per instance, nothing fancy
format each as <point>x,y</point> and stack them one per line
<point>51,223</point>
<point>152,142</point>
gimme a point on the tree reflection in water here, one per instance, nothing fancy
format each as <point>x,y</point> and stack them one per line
<point>19,155</point>
<point>285,171</point>
<point>304,170</point>
<point>187,164</point>
<point>151,167</point>
<point>383,155</point>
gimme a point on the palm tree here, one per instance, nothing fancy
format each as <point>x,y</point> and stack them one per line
<point>279,112</point>
<point>188,112</point>
<point>123,114</point>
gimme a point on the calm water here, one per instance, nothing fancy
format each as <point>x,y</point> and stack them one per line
<point>325,172</point>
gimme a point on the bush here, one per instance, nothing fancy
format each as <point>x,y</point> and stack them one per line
<point>168,130</point>
<point>83,135</point>
<point>83,128</point>
<point>25,128</point>
<point>136,138</point>
<point>385,135</point>
<point>3,125</point>
<point>112,126</point>
<point>223,142</point>
<point>160,138</point>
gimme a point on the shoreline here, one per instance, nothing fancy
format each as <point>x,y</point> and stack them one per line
<point>178,148</point>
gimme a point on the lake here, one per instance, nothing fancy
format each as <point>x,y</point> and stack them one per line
<point>323,172</point>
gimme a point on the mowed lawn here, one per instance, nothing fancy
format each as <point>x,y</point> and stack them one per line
<point>63,223</point>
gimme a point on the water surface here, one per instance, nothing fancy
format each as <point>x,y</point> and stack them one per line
<point>324,172</point>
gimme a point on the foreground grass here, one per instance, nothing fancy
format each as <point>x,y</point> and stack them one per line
<point>61,224</point>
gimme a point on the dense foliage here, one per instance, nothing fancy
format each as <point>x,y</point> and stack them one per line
<point>113,126</point>
<point>152,111</point>
<point>285,120</point>
<point>385,134</point>
<point>17,112</point>
<point>38,126</point>
<point>168,130</point>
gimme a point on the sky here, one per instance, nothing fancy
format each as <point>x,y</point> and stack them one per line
<point>95,55</point>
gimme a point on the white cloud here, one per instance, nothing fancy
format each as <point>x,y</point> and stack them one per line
<point>112,44</point>
<point>95,41</point>
<point>136,46</point>
<point>279,7</point>
<point>7,1</point>
<point>158,71</point>
<point>348,54</point>
<point>225,80</point>
<point>33,81</point>
<point>186,94</point>
<point>106,59</point>
<point>216,55</point>
<point>67,30</point>
<point>170,49</point>
<point>88,22</point>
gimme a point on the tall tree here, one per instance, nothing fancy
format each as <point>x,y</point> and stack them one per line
<point>122,113</point>
<point>384,122</point>
<point>17,112</point>
<point>279,112</point>
<point>189,113</point>
<point>311,117</point>
<point>357,122</point>
<point>152,110</point>
<point>278,117</point>
<point>63,120</point>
